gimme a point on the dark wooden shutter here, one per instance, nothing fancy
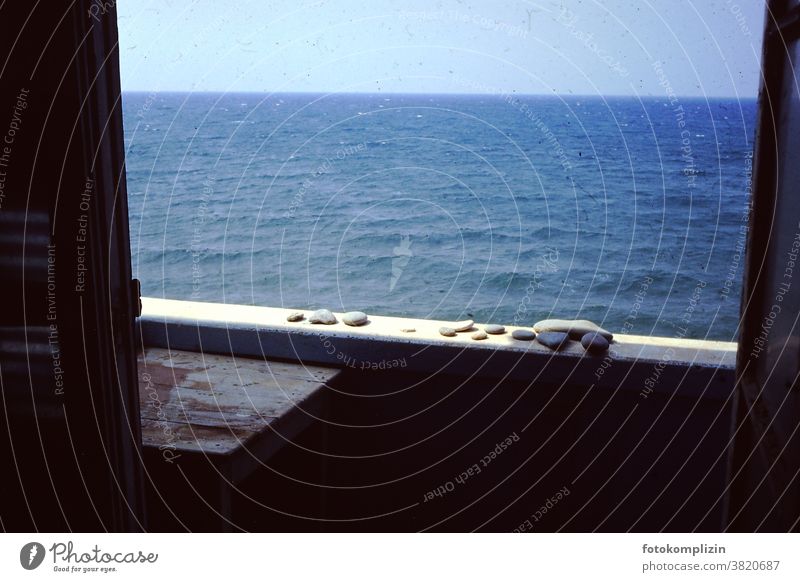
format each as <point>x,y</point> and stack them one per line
<point>764,472</point>
<point>70,450</point>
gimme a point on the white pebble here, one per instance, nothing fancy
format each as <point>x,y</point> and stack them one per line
<point>465,325</point>
<point>322,316</point>
<point>355,318</point>
<point>494,329</point>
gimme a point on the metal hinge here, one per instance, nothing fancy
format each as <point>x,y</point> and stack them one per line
<point>136,297</point>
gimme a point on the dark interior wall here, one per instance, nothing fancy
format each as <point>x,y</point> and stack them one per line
<point>395,453</point>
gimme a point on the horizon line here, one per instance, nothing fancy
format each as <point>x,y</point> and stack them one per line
<point>436,94</point>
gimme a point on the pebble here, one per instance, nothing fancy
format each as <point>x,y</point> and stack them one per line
<point>447,331</point>
<point>576,328</point>
<point>594,343</point>
<point>355,318</point>
<point>465,325</point>
<point>322,316</point>
<point>554,340</point>
<point>494,329</point>
<point>524,335</point>
<point>479,335</point>
<point>296,316</point>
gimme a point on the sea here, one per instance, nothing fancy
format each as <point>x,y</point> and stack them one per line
<point>631,212</point>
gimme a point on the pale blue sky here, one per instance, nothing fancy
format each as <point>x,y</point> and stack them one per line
<point>708,47</point>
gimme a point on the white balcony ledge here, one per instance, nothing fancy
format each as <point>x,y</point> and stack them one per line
<point>694,368</point>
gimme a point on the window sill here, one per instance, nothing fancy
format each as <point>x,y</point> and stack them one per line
<point>693,367</point>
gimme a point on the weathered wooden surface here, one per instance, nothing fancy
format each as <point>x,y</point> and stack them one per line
<point>217,405</point>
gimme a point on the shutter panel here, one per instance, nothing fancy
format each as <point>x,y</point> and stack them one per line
<point>70,450</point>
<point>766,455</point>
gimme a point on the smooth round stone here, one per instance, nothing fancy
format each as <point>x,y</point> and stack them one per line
<point>576,328</point>
<point>465,325</point>
<point>355,318</point>
<point>524,335</point>
<point>296,316</point>
<point>447,331</point>
<point>494,329</point>
<point>322,316</point>
<point>594,343</point>
<point>479,335</point>
<point>554,340</point>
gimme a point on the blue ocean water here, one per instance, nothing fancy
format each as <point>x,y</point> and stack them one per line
<point>508,209</point>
